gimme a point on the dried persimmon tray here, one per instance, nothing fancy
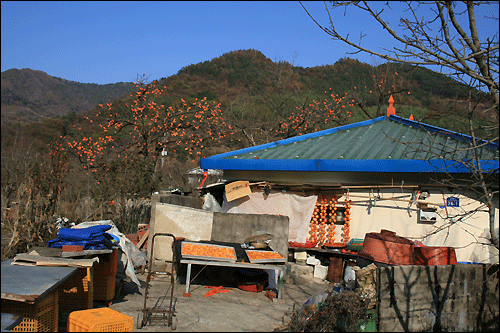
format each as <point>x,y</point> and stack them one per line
<point>205,251</point>
<point>259,256</point>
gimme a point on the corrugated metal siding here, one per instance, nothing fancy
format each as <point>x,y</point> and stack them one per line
<point>376,141</point>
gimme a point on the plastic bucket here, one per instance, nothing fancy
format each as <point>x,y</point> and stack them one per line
<point>435,255</point>
<point>387,248</point>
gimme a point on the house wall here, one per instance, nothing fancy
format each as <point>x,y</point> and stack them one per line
<point>449,298</point>
<point>464,233</point>
<point>393,210</point>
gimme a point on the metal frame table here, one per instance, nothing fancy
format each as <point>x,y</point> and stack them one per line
<point>281,268</point>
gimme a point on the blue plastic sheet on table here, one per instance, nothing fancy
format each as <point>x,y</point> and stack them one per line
<point>74,234</point>
<point>91,238</point>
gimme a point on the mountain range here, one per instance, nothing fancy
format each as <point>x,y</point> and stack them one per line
<point>250,86</point>
<point>29,95</point>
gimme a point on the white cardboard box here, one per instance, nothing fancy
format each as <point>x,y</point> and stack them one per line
<point>320,271</point>
<point>311,260</point>
<point>300,255</point>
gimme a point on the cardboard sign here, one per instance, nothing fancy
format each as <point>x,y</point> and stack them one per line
<point>237,190</point>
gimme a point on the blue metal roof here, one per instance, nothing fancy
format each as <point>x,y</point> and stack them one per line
<point>384,144</point>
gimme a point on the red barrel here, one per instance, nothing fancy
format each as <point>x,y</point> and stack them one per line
<point>387,248</point>
<point>435,255</point>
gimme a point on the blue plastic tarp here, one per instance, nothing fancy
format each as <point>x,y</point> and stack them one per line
<point>91,238</point>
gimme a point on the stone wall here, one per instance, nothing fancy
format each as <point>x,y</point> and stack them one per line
<point>461,297</point>
<point>228,227</point>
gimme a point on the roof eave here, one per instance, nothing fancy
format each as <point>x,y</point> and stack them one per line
<point>342,165</point>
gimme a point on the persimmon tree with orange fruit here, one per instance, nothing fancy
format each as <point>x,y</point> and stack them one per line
<point>122,154</point>
<point>332,111</point>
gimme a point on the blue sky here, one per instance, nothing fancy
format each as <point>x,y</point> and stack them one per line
<point>107,42</point>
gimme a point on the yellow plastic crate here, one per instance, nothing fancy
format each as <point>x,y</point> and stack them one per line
<point>77,293</point>
<point>39,317</point>
<point>99,320</point>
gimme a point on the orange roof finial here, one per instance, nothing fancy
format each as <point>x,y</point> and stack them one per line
<point>391,110</point>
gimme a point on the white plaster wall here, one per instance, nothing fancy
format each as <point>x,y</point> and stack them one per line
<point>465,234</point>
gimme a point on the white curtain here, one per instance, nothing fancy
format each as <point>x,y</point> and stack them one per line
<point>298,208</point>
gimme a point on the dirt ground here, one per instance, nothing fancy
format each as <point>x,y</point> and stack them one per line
<point>234,311</point>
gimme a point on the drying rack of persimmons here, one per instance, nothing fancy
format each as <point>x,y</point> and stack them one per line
<point>210,253</point>
<point>325,228</point>
<point>329,228</point>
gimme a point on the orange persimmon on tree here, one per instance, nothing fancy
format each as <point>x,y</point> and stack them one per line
<point>316,116</point>
<point>123,150</point>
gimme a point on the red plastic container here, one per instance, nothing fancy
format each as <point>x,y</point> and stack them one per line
<point>252,287</point>
<point>387,248</point>
<point>435,255</point>
<point>307,244</point>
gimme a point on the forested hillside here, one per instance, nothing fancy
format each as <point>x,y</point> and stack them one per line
<point>248,85</point>
<point>30,95</point>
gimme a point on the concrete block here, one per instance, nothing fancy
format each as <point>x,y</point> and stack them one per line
<point>193,224</point>
<point>312,260</point>
<point>320,271</point>
<point>421,320</point>
<point>393,324</point>
<point>448,297</point>
<point>385,276</point>
<point>458,321</point>
<point>232,227</point>
<point>385,307</point>
<point>456,304</point>
<point>469,272</point>
<point>408,321</point>
<point>409,274</point>
<point>301,273</point>
<point>300,255</point>
<point>444,273</point>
